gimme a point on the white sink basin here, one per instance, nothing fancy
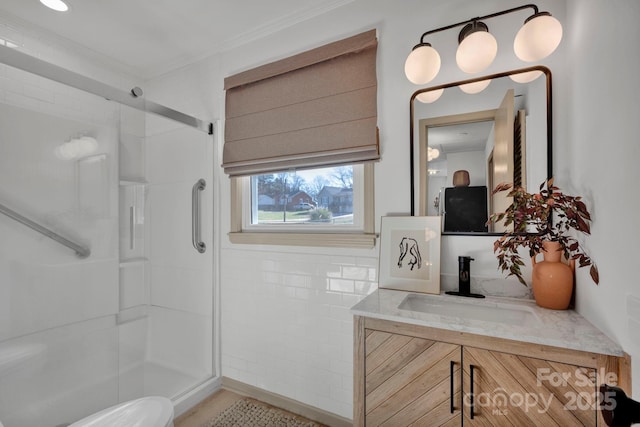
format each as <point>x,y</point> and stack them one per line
<point>479,310</point>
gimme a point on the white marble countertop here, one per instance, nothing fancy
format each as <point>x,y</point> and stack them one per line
<point>559,328</point>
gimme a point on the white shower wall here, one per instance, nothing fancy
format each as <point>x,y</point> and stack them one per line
<point>133,319</point>
<point>52,302</point>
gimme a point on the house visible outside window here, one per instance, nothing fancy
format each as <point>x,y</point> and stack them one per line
<point>311,197</point>
<point>315,198</point>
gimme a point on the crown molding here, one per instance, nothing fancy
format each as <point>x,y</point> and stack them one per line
<point>40,40</point>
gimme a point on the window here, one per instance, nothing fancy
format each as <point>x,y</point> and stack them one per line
<point>316,199</point>
<point>314,111</point>
<point>317,207</point>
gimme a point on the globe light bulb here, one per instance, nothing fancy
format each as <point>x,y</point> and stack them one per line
<point>430,96</point>
<point>475,87</point>
<point>538,38</point>
<point>432,153</point>
<point>422,64</point>
<point>476,52</point>
<point>525,77</point>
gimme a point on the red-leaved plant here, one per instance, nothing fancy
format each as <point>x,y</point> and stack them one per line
<point>545,216</point>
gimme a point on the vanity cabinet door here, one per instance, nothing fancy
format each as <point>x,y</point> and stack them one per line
<point>411,381</point>
<point>522,391</point>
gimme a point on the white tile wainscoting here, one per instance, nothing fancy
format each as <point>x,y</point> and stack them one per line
<point>286,324</point>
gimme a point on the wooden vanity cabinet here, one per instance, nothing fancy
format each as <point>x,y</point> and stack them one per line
<point>511,389</point>
<point>405,374</point>
<point>419,376</point>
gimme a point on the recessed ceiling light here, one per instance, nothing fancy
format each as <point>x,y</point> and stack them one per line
<point>58,5</point>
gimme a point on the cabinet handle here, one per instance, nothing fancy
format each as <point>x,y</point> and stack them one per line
<point>451,368</point>
<point>471,369</point>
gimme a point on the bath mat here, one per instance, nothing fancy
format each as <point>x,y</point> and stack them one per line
<point>249,413</point>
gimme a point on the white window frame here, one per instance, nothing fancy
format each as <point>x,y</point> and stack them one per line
<point>359,235</point>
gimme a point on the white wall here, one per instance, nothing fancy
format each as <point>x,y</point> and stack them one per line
<point>285,321</point>
<point>598,158</point>
<point>286,325</point>
<point>473,162</point>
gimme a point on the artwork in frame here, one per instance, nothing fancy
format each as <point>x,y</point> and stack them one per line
<point>410,253</point>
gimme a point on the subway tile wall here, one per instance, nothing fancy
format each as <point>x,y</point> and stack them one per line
<point>286,321</point>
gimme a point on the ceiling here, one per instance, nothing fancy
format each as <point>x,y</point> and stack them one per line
<point>152,37</point>
<point>460,138</point>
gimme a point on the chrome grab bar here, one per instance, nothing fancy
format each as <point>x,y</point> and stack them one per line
<point>195,216</point>
<point>80,250</point>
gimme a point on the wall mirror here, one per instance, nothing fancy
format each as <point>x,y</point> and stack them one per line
<point>466,137</point>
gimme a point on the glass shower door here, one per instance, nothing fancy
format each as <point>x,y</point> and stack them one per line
<point>80,332</point>
<point>58,331</point>
<point>162,206</point>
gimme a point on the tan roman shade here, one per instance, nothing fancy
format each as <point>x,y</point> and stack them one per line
<point>314,109</point>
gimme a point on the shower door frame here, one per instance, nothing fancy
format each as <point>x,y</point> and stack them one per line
<point>14,58</point>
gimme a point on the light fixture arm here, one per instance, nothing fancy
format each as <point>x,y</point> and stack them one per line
<point>538,38</point>
<point>480,18</point>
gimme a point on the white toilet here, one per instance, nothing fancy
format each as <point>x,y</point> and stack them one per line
<point>153,411</point>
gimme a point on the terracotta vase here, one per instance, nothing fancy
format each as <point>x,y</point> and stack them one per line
<point>552,279</point>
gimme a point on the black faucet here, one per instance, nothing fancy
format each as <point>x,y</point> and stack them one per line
<point>464,278</point>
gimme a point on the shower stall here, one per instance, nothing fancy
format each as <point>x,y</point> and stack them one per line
<point>106,246</point>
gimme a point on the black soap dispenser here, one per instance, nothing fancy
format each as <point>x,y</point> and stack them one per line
<point>464,278</point>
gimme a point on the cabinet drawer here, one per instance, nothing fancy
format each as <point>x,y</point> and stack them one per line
<point>411,380</point>
<point>518,390</point>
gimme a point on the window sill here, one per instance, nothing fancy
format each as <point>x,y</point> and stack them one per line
<point>340,240</point>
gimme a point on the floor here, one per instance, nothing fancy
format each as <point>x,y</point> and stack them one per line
<point>208,409</point>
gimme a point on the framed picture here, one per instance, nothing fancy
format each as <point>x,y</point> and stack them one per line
<point>410,253</point>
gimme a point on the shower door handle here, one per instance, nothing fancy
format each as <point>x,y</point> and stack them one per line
<point>198,244</point>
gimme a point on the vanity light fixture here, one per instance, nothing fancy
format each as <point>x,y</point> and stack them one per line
<point>477,48</point>
<point>57,5</point>
<point>432,153</point>
<point>537,38</point>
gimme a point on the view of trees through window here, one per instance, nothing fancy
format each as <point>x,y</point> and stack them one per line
<point>310,196</point>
